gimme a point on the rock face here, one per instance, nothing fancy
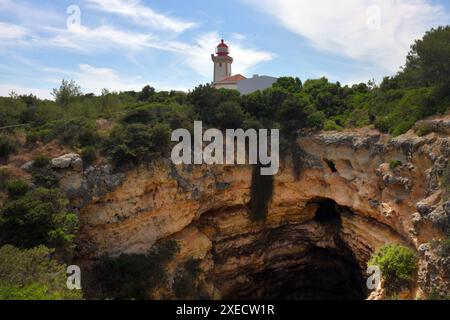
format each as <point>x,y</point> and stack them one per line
<point>332,207</point>
<point>68,160</point>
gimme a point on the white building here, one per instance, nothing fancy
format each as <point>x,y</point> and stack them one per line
<point>223,78</point>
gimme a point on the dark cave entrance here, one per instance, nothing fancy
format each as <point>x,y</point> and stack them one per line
<point>322,275</point>
<point>315,273</point>
<point>327,212</point>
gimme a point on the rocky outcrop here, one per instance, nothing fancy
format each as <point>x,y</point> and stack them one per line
<point>434,271</point>
<point>440,125</point>
<point>332,207</point>
<point>72,160</point>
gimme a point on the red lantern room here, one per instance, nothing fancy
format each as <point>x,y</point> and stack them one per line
<point>222,49</point>
<point>222,62</point>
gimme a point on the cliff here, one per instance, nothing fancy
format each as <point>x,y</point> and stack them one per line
<point>345,195</point>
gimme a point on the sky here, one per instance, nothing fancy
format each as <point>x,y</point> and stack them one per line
<point>124,45</point>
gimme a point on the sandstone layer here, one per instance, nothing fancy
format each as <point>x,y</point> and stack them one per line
<point>342,200</point>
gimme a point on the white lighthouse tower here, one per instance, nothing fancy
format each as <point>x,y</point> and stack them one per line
<point>223,78</point>
<point>222,62</point>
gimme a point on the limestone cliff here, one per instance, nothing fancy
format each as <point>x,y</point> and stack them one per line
<point>346,201</point>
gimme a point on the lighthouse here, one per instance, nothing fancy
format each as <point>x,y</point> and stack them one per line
<point>223,78</point>
<point>222,68</point>
<point>222,62</point>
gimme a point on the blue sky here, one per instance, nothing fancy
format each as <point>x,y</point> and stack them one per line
<point>126,44</point>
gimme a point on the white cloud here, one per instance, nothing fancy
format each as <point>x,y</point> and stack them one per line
<point>95,79</point>
<point>32,15</point>
<point>198,55</point>
<point>346,27</point>
<point>12,31</point>
<point>195,55</point>
<point>12,35</point>
<point>141,14</point>
<point>104,37</point>
<point>89,78</point>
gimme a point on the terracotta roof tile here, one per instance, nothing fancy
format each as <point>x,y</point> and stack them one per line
<point>235,78</point>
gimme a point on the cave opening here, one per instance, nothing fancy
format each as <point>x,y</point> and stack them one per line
<point>327,211</point>
<point>322,274</point>
<point>310,269</point>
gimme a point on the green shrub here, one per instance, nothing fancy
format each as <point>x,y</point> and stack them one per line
<point>32,137</point>
<point>330,125</point>
<point>89,155</point>
<point>317,120</point>
<point>397,110</point>
<point>7,146</point>
<point>395,164</point>
<point>39,217</point>
<point>133,276</point>
<point>33,292</point>
<point>137,143</point>
<point>41,161</point>
<point>160,138</point>
<point>229,115</point>
<point>74,132</point>
<point>424,130</point>
<point>17,188</point>
<point>382,124</point>
<point>45,178</point>
<point>143,116</point>
<point>397,263</point>
<point>44,134</point>
<point>87,137</point>
<point>33,275</point>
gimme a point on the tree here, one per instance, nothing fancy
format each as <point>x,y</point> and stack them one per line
<point>293,115</point>
<point>17,188</point>
<point>292,85</point>
<point>10,110</point>
<point>30,100</point>
<point>39,217</point>
<point>137,143</point>
<point>428,62</point>
<point>146,93</point>
<point>229,115</point>
<point>75,132</point>
<point>160,138</point>
<point>140,115</point>
<point>7,146</point>
<point>66,92</point>
<point>207,99</point>
<point>326,96</point>
<point>33,275</point>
